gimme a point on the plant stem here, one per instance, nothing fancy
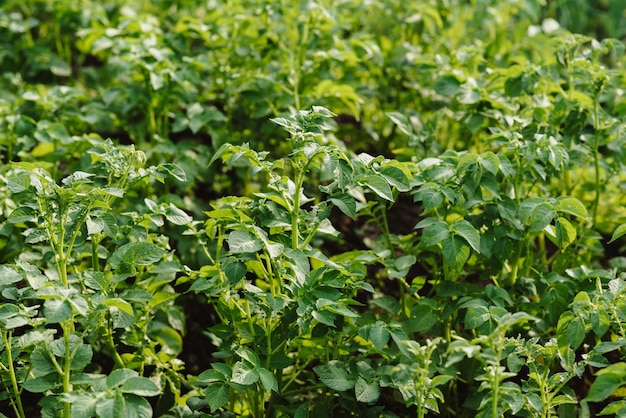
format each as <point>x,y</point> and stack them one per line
<point>7,335</point>
<point>596,162</point>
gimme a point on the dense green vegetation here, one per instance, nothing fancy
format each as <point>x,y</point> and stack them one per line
<point>321,208</point>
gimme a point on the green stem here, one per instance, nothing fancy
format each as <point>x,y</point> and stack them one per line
<point>111,343</point>
<point>295,233</point>
<point>7,335</point>
<point>596,160</point>
<point>67,365</point>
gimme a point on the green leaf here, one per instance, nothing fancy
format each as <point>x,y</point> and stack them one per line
<point>268,380</point>
<point>565,232</point>
<point>455,252</point>
<point>571,205</point>
<point>111,407</point>
<point>402,122</point>
<point>468,232</point>
<point>604,386</point>
<point>177,216</point>
<point>57,310</point>
<point>345,203</point>
<point>434,233</point>
<point>243,242</point>
<point>136,406</point>
<point>9,275</point>
<point>140,386</point>
<point>22,214</point>
<point>395,177</point>
<point>476,316</point>
<point>541,217</point>
<point>234,270</point>
<point>335,376</point>
<point>121,312</point>
<point>366,392</point>
<point>244,374</point>
<point>619,232</point>
<point>82,357</point>
<point>447,85</point>
<point>336,308</point>
<point>118,376</point>
<point>83,404</point>
<point>422,318</point>
<point>575,333</point>
<point>379,186</point>
<point>430,195</point>
<point>41,384</point>
<point>173,170</point>
<point>379,335</point>
<point>249,356</point>
<point>136,253</point>
<point>217,395</point>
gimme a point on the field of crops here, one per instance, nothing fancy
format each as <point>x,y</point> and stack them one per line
<point>368,208</point>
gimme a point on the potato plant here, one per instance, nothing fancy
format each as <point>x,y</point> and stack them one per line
<point>253,208</point>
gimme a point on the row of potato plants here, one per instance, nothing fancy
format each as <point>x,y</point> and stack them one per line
<point>436,247</point>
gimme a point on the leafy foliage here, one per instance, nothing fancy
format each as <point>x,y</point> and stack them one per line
<point>308,209</point>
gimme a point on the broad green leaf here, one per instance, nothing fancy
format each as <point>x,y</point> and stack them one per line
<point>468,232</point>
<point>615,409</point>
<point>335,376</point>
<point>136,253</point>
<point>82,357</point>
<point>234,270</point>
<point>388,303</point>
<point>379,335</point>
<point>118,376</point>
<point>22,214</point>
<point>40,360</point>
<point>447,85</point>
<point>217,395</point>
<point>476,316</point>
<point>268,380</point>
<point>140,386</point>
<point>167,337</point>
<point>244,374</point>
<point>177,216</point>
<point>430,195</point>
<point>365,391</point>
<point>575,333</point>
<point>57,310</point>
<point>345,203</point>
<point>9,275</point>
<point>395,177</point>
<point>541,217</point>
<point>435,233</point>
<point>335,307</point>
<point>402,122</point>
<point>571,205</point>
<point>405,262</point>
<point>619,232</point>
<point>455,252</point>
<point>243,242</point>
<point>111,406</point>
<point>249,356</point>
<point>83,404</point>
<point>41,384</point>
<point>136,407</point>
<point>565,232</point>
<point>490,161</point>
<point>604,386</point>
<point>379,186</point>
<point>173,170</point>
<point>422,318</point>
